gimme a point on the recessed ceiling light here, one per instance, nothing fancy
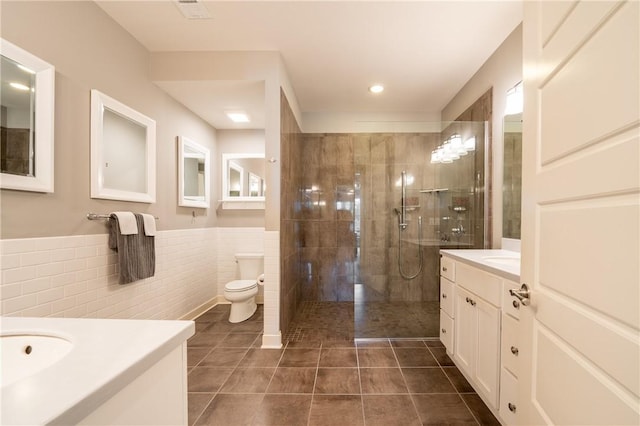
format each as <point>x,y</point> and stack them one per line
<point>238,117</point>
<point>376,88</point>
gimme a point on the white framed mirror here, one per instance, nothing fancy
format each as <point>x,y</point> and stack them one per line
<point>194,174</point>
<point>512,164</point>
<point>243,177</point>
<point>123,151</point>
<point>27,120</point>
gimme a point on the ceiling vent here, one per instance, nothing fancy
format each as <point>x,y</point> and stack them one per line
<point>193,9</point>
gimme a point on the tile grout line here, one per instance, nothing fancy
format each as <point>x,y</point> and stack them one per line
<point>364,421</point>
<point>315,379</point>
<point>454,387</point>
<point>415,407</point>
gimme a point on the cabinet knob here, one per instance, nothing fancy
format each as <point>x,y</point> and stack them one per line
<point>444,295</point>
<point>514,350</point>
<point>516,304</point>
<point>443,331</point>
<point>444,269</point>
<point>467,299</point>
<point>512,407</point>
<point>473,302</point>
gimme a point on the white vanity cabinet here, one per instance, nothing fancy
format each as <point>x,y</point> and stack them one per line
<point>479,328</point>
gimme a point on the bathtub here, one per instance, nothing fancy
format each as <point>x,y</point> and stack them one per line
<point>92,371</point>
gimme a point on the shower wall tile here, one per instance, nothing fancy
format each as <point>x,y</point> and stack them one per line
<point>318,233</point>
<point>346,236</point>
<point>370,165</point>
<point>294,206</point>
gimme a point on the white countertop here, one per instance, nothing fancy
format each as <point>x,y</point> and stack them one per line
<point>478,259</point>
<point>106,356</point>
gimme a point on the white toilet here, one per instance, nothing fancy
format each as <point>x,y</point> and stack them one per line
<point>242,293</point>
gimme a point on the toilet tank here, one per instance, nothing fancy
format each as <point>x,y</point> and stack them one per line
<point>251,265</point>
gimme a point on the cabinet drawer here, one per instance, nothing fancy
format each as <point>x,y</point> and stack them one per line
<point>446,331</point>
<point>447,296</point>
<point>510,353</point>
<point>448,268</point>
<point>510,304</point>
<point>508,397</point>
<point>482,283</point>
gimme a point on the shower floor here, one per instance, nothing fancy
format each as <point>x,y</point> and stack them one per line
<point>347,321</point>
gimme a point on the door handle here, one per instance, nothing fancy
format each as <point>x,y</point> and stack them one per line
<point>523,294</point>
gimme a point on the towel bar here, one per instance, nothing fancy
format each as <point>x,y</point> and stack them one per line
<point>95,216</point>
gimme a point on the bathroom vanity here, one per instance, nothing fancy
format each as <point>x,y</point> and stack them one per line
<point>94,371</point>
<point>479,322</point>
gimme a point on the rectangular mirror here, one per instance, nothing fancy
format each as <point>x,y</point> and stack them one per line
<point>512,176</point>
<point>243,177</point>
<point>26,120</point>
<point>123,152</point>
<point>194,174</point>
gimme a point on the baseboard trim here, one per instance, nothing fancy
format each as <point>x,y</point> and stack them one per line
<point>272,341</point>
<point>216,300</point>
<point>195,313</point>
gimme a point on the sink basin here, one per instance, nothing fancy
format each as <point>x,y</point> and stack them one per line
<point>23,355</point>
<point>503,260</point>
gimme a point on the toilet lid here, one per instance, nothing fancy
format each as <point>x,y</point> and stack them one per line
<point>240,285</point>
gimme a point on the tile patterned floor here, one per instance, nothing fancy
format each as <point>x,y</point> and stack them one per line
<point>348,320</point>
<point>322,381</point>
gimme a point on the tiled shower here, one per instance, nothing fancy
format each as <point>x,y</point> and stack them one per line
<point>340,239</point>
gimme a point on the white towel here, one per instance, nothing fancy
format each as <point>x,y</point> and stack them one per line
<point>127,223</point>
<point>149,224</point>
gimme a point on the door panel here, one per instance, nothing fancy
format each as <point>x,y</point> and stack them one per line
<point>580,342</point>
<point>573,391</point>
<point>566,273</point>
<point>570,116</point>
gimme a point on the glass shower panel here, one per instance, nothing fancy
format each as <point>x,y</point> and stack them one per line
<point>444,206</point>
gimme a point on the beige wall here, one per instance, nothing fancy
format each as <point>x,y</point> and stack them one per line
<point>235,142</point>
<point>501,71</point>
<point>90,51</point>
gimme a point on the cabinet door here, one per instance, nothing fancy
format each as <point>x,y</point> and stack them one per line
<point>465,331</point>
<point>488,348</point>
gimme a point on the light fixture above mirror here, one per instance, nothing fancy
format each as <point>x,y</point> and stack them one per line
<point>515,100</point>
<point>452,149</point>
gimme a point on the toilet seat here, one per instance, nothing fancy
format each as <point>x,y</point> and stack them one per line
<point>240,285</point>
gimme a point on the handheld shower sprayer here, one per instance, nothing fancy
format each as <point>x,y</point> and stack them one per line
<point>402,225</point>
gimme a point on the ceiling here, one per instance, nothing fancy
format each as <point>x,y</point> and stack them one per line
<point>423,52</point>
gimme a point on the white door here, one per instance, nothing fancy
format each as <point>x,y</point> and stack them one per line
<point>581,215</point>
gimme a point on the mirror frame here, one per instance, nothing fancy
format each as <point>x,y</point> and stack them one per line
<point>225,177</point>
<point>44,123</point>
<point>100,101</point>
<point>184,142</point>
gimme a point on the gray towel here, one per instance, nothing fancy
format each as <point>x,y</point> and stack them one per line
<point>136,252</point>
